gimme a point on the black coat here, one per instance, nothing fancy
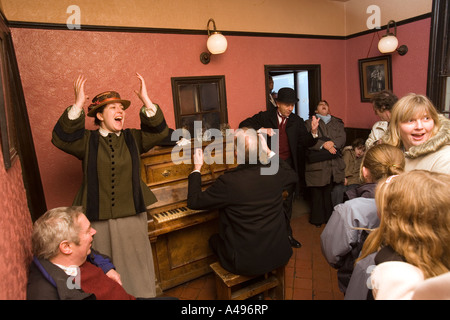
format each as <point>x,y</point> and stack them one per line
<point>252,226</point>
<point>46,281</point>
<point>298,136</point>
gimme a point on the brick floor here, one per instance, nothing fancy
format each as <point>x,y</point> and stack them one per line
<point>307,275</point>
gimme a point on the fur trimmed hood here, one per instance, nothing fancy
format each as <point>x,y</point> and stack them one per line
<point>433,144</point>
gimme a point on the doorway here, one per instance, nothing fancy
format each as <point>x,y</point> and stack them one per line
<point>304,79</point>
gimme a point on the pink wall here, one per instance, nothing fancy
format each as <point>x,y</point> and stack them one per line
<point>409,72</point>
<point>50,60</point>
<point>15,233</point>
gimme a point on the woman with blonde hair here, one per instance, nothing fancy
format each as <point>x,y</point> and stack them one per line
<point>345,232</point>
<point>414,223</point>
<point>421,132</point>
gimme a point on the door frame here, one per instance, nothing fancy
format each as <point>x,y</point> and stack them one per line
<point>314,81</point>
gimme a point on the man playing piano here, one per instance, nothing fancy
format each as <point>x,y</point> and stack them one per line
<point>252,237</point>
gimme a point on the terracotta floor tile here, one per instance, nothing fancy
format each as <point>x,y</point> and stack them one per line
<point>189,293</point>
<point>302,283</point>
<point>323,295</point>
<point>302,294</point>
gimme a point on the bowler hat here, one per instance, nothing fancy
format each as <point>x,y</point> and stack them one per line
<point>286,95</point>
<point>105,98</point>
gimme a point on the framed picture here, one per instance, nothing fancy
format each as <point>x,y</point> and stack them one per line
<point>375,75</point>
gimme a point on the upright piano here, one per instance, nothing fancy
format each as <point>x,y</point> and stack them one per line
<point>179,235</point>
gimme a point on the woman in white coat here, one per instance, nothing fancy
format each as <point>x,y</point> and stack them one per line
<point>421,132</point>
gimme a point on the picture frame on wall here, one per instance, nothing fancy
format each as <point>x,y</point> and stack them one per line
<point>375,75</point>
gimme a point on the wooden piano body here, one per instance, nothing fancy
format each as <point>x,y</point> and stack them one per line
<point>179,236</point>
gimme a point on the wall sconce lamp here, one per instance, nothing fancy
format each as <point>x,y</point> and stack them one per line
<point>216,43</point>
<point>388,43</point>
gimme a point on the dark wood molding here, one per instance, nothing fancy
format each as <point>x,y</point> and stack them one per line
<point>25,145</point>
<point>99,28</point>
<point>399,23</point>
<point>439,52</point>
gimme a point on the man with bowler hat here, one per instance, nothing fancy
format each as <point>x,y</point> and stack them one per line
<point>292,137</point>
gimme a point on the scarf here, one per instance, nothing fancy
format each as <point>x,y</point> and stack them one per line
<point>325,119</point>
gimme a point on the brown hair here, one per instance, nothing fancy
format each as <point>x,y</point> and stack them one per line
<point>384,100</point>
<point>358,143</point>
<point>414,220</point>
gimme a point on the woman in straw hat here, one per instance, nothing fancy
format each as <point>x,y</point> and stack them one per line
<point>112,192</point>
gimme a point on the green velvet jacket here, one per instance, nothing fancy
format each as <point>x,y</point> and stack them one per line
<point>112,186</point>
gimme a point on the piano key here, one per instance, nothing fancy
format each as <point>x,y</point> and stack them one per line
<point>173,214</point>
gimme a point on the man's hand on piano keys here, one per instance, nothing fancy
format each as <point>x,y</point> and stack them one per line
<point>198,158</point>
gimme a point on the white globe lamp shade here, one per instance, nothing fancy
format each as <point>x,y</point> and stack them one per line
<point>388,43</point>
<point>217,43</point>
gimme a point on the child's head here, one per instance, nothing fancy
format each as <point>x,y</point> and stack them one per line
<point>359,146</point>
<point>381,161</point>
<point>415,218</point>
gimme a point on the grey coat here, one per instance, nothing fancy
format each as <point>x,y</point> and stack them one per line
<point>319,174</point>
<point>342,231</point>
<point>359,285</point>
<point>343,236</point>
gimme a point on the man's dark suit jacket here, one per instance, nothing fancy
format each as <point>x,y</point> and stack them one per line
<point>298,135</point>
<point>252,227</point>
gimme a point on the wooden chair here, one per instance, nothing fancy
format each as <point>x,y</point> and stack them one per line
<point>230,286</point>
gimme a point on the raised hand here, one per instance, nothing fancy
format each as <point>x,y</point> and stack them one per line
<point>80,95</point>
<point>142,93</point>
<point>198,158</point>
<point>314,124</point>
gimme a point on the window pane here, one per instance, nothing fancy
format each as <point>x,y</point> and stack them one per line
<point>211,120</point>
<point>209,95</point>
<point>188,98</point>
<point>187,122</point>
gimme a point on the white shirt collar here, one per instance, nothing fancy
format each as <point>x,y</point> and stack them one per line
<point>280,118</point>
<point>70,271</point>
<point>105,133</point>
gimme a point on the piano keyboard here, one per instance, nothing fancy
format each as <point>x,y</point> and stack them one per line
<point>173,214</point>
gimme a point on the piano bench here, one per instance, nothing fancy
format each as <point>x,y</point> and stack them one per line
<point>230,286</point>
